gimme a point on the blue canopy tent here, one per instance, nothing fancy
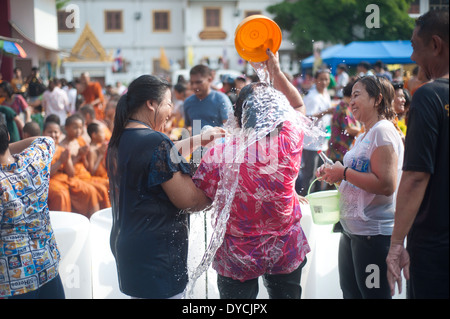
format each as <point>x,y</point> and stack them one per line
<point>390,52</point>
<point>325,54</point>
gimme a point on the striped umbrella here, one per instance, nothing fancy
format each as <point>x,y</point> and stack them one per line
<point>12,48</point>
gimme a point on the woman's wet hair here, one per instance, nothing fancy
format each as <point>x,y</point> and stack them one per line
<point>375,86</point>
<point>244,95</point>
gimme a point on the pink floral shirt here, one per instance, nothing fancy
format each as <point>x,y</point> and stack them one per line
<point>263,232</point>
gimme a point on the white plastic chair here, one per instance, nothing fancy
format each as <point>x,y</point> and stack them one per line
<point>72,237</point>
<point>105,284</point>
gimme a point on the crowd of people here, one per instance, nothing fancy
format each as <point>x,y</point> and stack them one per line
<point>79,116</point>
<point>387,137</point>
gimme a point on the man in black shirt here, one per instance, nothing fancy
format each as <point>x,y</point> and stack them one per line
<point>422,201</point>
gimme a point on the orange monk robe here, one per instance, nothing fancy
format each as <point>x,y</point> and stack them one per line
<point>71,194</point>
<point>92,92</point>
<point>100,184</point>
<point>59,196</point>
<point>107,132</point>
<point>101,169</point>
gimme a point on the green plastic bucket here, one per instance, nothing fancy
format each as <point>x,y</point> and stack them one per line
<point>324,206</point>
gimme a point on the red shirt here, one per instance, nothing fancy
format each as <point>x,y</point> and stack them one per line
<point>263,232</point>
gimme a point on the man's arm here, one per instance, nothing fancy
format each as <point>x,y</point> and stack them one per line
<point>409,198</point>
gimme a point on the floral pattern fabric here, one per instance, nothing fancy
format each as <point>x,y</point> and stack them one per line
<point>340,141</point>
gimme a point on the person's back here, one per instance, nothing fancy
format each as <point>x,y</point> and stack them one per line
<point>10,117</point>
<point>55,101</point>
<point>29,255</point>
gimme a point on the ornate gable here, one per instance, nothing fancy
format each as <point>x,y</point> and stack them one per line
<point>88,48</point>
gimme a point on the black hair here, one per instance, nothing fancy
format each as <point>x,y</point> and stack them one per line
<point>397,85</point>
<point>144,88</point>
<point>320,71</point>
<point>93,128</point>
<point>408,98</point>
<point>347,90</point>
<point>4,138</point>
<point>6,86</point>
<point>434,22</point>
<point>32,128</point>
<point>376,85</point>
<point>71,119</point>
<point>87,109</point>
<point>246,91</point>
<point>200,69</point>
<point>364,64</point>
<point>49,122</point>
<point>180,87</point>
<point>53,118</point>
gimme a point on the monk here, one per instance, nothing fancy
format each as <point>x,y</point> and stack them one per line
<point>79,150</point>
<point>92,93</point>
<point>97,153</point>
<point>66,192</point>
<point>89,116</point>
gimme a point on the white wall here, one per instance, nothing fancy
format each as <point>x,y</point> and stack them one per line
<point>45,23</point>
<point>140,45</point>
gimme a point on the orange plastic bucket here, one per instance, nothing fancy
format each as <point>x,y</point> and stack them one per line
<point>254,35</point>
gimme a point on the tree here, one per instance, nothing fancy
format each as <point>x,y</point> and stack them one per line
<point>61,4</point>
<point>343,21</point>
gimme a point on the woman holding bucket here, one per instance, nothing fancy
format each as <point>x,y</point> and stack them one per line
<point>369,179</point>
<point>263,234</point>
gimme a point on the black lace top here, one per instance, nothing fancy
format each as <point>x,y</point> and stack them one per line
<point>150,235</point>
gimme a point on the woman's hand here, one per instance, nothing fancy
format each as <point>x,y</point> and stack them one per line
<point>273,64</point>
<point>331,173</point>
<point>211,134</point>
<point>302,200</point>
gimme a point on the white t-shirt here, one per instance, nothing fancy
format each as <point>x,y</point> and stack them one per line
<point>364,213</point>
<point>341,82</point>
<point>316,103</point>
<point>56,102</point>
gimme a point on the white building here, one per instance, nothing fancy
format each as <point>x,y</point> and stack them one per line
<point>187,32</point>
<point>160,37</point>
<point>33,24</point>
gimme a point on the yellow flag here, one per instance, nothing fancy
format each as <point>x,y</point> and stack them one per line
<point>163,60</point>
<point>190,56</point>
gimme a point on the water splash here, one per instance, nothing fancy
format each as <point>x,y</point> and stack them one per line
<point>263,111</point>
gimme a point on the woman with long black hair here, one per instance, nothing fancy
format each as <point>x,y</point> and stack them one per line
<point>150,187</point>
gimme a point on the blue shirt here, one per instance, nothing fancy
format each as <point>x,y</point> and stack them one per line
<point>212,110</point>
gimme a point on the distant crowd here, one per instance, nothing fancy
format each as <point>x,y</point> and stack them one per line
<point>79,115</point>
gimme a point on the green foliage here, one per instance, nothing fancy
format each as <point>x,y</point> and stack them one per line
<point>60,4</point>
<point>341,21</point>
